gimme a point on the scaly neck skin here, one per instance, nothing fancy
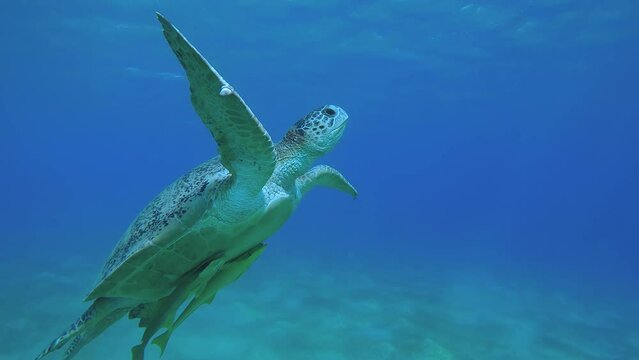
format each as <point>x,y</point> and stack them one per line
<point>293,160</point>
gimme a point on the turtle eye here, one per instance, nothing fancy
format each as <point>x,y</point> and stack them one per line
<point>329,112</point>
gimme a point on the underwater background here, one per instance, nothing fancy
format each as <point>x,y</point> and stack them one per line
<point>494,145</point>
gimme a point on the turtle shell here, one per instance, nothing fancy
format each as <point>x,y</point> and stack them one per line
<point>160,245</point>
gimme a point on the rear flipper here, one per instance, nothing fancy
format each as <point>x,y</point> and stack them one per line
<point>85,337</point>
<point>99,316</point>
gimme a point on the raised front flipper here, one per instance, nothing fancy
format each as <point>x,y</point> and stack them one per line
<point>230,272</point>
<point>245,147</point>
<point>324,175</point>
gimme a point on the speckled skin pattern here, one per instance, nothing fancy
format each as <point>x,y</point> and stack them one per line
<point>172,211</point>
<point>205,229</point>
<point>202,210</point>
<point>167,208</point>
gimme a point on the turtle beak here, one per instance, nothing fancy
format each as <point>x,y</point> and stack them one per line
<point>339,120</point>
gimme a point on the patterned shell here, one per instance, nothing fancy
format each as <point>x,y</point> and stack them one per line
<point>145,254</point>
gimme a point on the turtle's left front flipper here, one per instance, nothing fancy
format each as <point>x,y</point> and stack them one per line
<point>324,175</point>
<point>245,147</point>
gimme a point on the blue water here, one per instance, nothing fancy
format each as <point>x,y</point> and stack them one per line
<point>494,145</point>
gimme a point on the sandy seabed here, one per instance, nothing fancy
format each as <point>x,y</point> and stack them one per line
<point>286,308</point>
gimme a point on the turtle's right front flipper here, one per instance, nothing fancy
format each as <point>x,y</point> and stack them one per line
<point>245,147</point>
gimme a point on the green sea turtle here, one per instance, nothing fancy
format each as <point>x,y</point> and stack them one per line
<point>204,230</point>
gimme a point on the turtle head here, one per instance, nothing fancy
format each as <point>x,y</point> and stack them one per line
<point>320,130</point>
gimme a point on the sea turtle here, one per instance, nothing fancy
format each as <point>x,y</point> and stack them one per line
<point>204,230</point>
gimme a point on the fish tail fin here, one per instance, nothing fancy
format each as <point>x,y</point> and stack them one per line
<point>162,340</point>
